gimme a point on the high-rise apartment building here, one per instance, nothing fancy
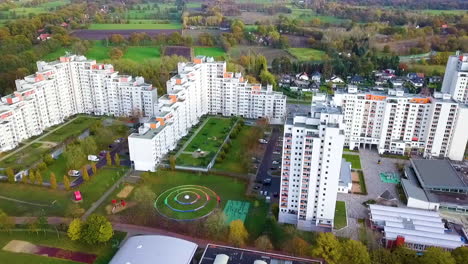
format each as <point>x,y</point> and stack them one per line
<point>312,150</point>
<point>66,87</point>
<point>201,87</point>
<point>456,78</point>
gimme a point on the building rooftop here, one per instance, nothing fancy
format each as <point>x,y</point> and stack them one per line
<point>244,256</point>
<point>345,173</point>
<point>416,226</point>
<point>150,249</point>
<point>437,174</point>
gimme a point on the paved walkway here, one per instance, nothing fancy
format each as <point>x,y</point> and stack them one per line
<point>96,204</point>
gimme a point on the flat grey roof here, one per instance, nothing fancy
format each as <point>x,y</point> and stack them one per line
<point>434,173</point>
<point>150,249</point>
<point>413,191</point>
<point>345,173</point>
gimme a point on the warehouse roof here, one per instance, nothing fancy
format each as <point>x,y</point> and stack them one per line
<point>416,226</point>
<point>150,249</point>
<point>434,173</point>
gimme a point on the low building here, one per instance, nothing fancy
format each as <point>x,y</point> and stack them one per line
<point>316,77</point>
<point>416,229</point>
<point>150,249</point>
<point>417,82</point>
<point>434,185</point>
<point>356,79</point>
<point>345,183</point>
<point>215,254</point>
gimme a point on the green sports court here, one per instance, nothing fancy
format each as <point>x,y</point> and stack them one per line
<point>235,210</point>
<point>390,177</point>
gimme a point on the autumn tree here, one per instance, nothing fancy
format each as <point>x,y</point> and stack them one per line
<point>10,174</point>
<point>215,224</point>
<point>74,156</point>
<point>117,159</point>
<point>263,243</point>
<point>116,53</point>
<point>6,223</point>
<point>96,229</point>
<point>32,177</point>
<point>39,180</point>
<point>460,255</point>
<point>297,246</point>
<point>353,251</point>
<point>237,233</point>
<point>435,255</point>
<point>145,197</point>
<point>108,159</point>
<point>117,39</point>
<point>84,173</point>
<point>94,168</point>
<point>53,181</point>
<point>327,247</point>
<point>66,182</point>
<point>74,229</point>
<point>24,178</point>
<point>172,162</point>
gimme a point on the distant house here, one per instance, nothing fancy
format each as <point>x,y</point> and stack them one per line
<point>356,79</point>
<point>380,81</point>
<point>417,82</point>
<point>44,37</point>
<point>413,75</point>
<point>302,76</point>
<point>435,79</point>
<point>335,79</point>
<point>397,82</point>
<point>316,77</point>
<point>314,86</point>
<point>64,24</point>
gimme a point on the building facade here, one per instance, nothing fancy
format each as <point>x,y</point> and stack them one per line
<point>456,78</point>
<point>399,123</point>
<point>201,87</point>
<point>66,87</point>
<point>312,151</point>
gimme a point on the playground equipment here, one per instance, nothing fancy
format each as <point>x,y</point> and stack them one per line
<point>390,177</point>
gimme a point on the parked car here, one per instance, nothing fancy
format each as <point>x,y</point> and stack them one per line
<point>275,194</point>
<point>262,141</point>
<point>93,158</point>
<point>275,162</point>
<point>256,187</point>
<point>276,152</point>
<point>267,181</point>
<point>74,173</point>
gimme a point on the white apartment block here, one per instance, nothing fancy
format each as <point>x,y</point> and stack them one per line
<point>456,78</point>
<point>312,151</point>
<point>201,87</point>
<point>399,123</point>
<point>66,87</point>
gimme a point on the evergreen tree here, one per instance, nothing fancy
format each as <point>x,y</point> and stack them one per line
<point>66,182</point>
<point>53,181</point>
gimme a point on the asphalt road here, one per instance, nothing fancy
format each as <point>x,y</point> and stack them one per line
<point>264,169</point>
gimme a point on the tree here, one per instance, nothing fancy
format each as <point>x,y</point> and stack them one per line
<point>117,159</point>
<point>215,224</point>
<point>89,146</point>
<point>75,156</point>
<point>6,223</point>
<point>33,226</point>
<point>460,255</point>
<point>24,178</point>
<point>10,174</point>
<point>116,53</point>
<point>328,248</point>
<point>53,181</point>
<point>435,255</point>
<point>383,256</point>
<point>353,251</point>
<point>263,243</point>
<point>267,78</point>
<point>108,159</point>
<point>85,173</point>
<point>237,233</point>
<point>96,229</point>
<point>297,246</point>
<point>74,229</point>
<point>116,39</point>
<point>94,168</point>
<point>66,182</point>
<point>172,162</point>
<point>39,178</point>
<point>42,223</point>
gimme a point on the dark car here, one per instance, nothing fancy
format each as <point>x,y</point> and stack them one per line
<point>267,181</point>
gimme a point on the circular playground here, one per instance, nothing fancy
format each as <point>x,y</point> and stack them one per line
<point>187,202</point>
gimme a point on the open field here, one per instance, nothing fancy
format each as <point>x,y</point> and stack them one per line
<point>73,129</point>
<point>340,215</point>
<point>98,51</point>
<point>135,26</point>
<point>354,159</point>
<point>209,139</point>
<point>441,12</point>
<point>268,52</point>
<point>54,55</point>
<point>233,160</point>
<point>103,34</point>
<point>104,251</point>
<point>307,54</point>
<point>26,157</point>
<point>209,51</point>
<point>21,12</point>
<point>142,53</point>
<point>427,69</point>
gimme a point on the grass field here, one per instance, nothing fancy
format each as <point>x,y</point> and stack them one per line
<point>42,8</point>
<point>307,15</point>
<point>75,128</point>
<point>142,53</point>
<point>427,69</point>
<point>25,157</point>
<point>54,55</point>
<point>307,54</point>
<point>98,51</point>
<point>209,51</point>
<point>104,251</point>
<point>135,26</point>
<point>340,220</point>
<point>354,159</point>
<point>233,161</point>
<point>440,12</point>
<point>209,139</point>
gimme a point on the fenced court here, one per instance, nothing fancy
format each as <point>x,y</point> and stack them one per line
<point>390,177</point>
<point>235,210</point>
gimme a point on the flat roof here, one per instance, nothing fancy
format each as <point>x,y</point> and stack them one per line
<point>345,173</point>
<point>150,249</point>
<point>433,173</point>
<point>245,256</point>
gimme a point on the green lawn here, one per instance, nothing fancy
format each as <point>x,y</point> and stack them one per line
<point>42,8</point>
<point>307,54</point>
<point>57,201</point>
<point>98,51</point>
<point>340,215</point>
<point>354,159</point>
<point>446,12</point>
<point>25,157</point>
<point>135,26</point>
<point>306,15</point>
<point>54,55</point>
<point>59,168</point>
<point>427,69</point>
<point>209,51</point>
<point>142,53</point>
<point>233,160</point>
<point>75,128</point>
<point>209,139</point>
<point>104,251</point>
